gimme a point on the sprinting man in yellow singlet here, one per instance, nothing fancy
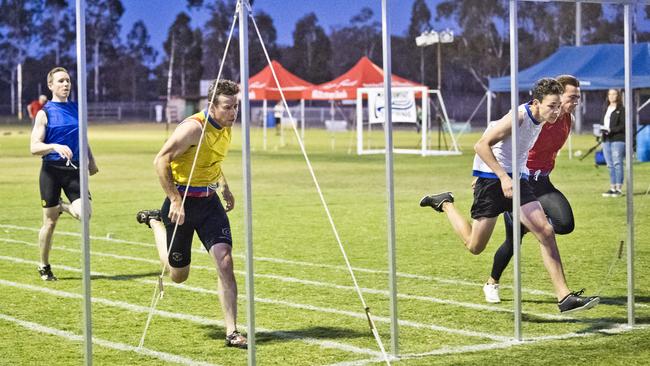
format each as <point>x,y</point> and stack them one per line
<point>203,211</point>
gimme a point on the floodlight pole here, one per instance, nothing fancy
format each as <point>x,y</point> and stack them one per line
<point>19,71</point>
<point>246,166</point>
<point>83,179</point>
<point>388,132</point>
<point>516,200</point>
<point>630,127</point>
<point>169,85</point>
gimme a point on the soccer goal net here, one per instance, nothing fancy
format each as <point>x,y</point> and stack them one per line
<point>410,112</point>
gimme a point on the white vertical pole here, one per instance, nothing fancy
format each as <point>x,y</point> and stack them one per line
<point>630,127</point>
<point>19,71</point>
<point>302,119</point>
<point>265,111</point>
<point>578,123</point>
<point>359,123</point>
<point>83,179</point>
<point>246,166</point>
<point>425,120</point>
<point>388,132</point>
<point>488,115</point>
<point>13,91</point>
<point>516,200</point>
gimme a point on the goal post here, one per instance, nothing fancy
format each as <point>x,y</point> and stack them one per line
<point>404,112</point>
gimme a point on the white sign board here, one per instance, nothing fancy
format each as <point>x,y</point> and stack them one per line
<point>404,109</point>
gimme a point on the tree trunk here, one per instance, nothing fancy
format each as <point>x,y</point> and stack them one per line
<point>13,91</point>
<point>133,86</point>
<point>96,63</point>
<point>183,92</point>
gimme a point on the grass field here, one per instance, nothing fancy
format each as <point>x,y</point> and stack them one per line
<point>307,312</point>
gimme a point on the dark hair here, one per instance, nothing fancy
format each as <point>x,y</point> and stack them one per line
<point>619,98</point>
<point>50,75</point>
<point>224,87</point>
<point>565,80</point>
<point>546,86</point>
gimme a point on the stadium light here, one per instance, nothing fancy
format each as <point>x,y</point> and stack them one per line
<point>428,38</point>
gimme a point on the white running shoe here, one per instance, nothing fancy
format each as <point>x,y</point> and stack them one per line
<point>491,293</point>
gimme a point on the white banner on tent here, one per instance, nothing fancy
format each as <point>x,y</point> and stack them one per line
<point>404,109</point>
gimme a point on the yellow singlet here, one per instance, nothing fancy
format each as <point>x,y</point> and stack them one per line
<point>214,148</point>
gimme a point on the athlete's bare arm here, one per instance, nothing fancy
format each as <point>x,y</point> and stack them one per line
<point>186,134</point>
<point>37,144</point>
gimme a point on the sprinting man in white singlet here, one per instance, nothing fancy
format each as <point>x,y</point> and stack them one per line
<point>493,188</point>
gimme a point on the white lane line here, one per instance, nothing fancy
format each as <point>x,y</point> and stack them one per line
<point>449,281</point>
<point>191,318</point>
<point>384,293</point>
<point>163,356</point>
<point>613,329</point>
<point>406,323</point>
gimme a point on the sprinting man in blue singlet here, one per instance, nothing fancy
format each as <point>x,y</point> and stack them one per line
<point>56,138</point>
<point>493,188</point>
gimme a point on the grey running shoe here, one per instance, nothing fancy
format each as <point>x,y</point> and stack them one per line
<point>237,340</point>
<point>435,201</point>
<point>574,302</point>
<point>46,273</point>
<point>144,216</point>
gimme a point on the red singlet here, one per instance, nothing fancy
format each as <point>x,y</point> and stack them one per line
<point>550,141</point>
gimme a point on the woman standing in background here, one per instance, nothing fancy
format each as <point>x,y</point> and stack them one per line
<point>613,130</point>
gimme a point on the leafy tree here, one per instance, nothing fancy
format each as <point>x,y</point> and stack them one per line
<point>102,31</point>
<point>311,50</point>
<point>139,55</point>
<point>482,48</point>
<point>187,45</point>
<point>420,19</point>
<point>216,36</point>
<point>256,58</point>
<point>361,38</point>
<point>57,28</point>
<point>16,34</point>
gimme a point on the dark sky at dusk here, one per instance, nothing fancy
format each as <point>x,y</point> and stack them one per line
<point>158,15</point>
<point>285,13</point>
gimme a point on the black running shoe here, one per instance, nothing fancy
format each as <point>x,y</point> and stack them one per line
<point>237,340</point>
<point>144,216</point>
<point>46,273</point>
<point>435,201</point>
<point>574,302</point>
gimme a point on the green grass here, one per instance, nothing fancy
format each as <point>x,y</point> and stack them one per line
<point>307,301</point>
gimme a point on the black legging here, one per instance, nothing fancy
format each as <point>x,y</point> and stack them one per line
<point>557,209</point>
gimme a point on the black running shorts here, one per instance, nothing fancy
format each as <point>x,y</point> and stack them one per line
<point>207,217</point>
<point>54,177</point>
<point>489,200</point>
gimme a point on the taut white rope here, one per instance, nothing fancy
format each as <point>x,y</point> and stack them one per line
<point>159,290</point>
<point>371,323</point>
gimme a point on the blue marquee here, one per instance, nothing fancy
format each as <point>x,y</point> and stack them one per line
<point>598,67</point>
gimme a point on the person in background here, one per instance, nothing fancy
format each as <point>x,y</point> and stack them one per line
<point>613,130</point>
<point>55,137</point>
<point>35,106</point>
<point>278,111</point>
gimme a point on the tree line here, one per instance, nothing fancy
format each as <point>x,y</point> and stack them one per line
<point>40,34</point>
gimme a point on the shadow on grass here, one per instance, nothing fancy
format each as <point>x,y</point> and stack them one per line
<point>118,277</point>
<point>290,335</point>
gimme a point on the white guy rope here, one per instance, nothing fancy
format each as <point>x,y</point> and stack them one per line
<point>371,323</point>
<point>159,290</point>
